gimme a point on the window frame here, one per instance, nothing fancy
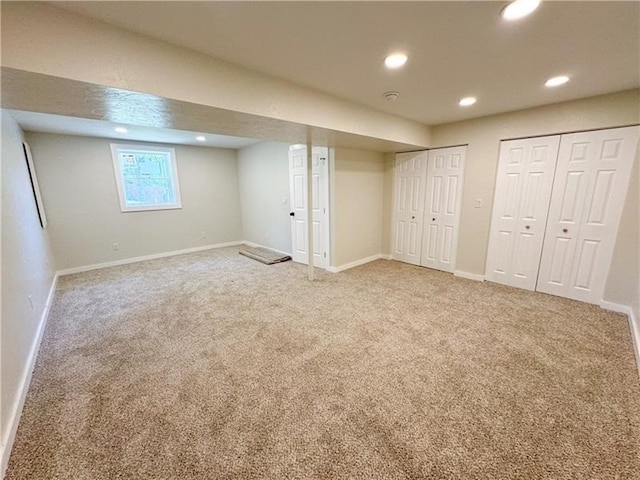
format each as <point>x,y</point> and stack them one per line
<point>117,148</point>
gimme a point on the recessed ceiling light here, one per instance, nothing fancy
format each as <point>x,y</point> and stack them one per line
<point>556,81</point>
<point>396,60</point>
<point>120,130</point>
<point>519,9</point>
<point>201,138</point>
<point>465,102</point>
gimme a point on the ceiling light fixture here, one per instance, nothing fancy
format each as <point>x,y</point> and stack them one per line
<point>467,101</point>
<point>556,81</point>
<point>120,130</point>
<point>519,9</point>
<point>391,96</point>
<point>201,138</point>
<point>396,60</point>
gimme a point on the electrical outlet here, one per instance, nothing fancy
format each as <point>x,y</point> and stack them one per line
<point>115,246</point>
<point>203,235</point>
<point>478,203</point>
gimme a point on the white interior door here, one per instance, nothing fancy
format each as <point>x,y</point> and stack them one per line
<point>408,206</point>
<point>445,167</point>
<point>319,204</point>
<point>591,182</point>
<point>523,189</point>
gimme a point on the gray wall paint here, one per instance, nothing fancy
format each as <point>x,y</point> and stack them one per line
<point>358,193</point>
<point>79,192</point>
<point>27,270</point>
<point>263,177</point>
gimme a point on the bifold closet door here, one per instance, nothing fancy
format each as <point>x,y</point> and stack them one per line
<point>589,190</point>
<point>319,204</point>
<point>523,188</point>
<point>445,168</point>
<point>408,206</point>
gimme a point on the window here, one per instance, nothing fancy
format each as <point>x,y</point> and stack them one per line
<point>147,177</point>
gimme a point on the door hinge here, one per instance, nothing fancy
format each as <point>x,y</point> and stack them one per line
<point>325,254</point>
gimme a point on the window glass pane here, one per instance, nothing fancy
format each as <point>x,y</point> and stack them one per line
<point>146,178</point>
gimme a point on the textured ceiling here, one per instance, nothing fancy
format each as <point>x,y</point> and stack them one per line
<point>455,49</point>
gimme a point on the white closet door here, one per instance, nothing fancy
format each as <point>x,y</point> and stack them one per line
<point>523,189</point>
<point>408,206</point>
<point>591,182</point>
<point>445,169</point>
<point>319,204</point>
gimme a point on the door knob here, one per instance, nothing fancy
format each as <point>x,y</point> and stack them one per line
<point>292,214</point>
<point>564,230</point>
<point>412,217</point>
<point>527,227</point>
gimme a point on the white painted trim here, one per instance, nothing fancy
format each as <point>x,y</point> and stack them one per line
<point>634,325</point>
<point>18,405</point>
<point>125,261</point>
<point>469,276</point>
<point>357,263</point>
<point>173,168</point>
<point>257,245</point>
<point>384,256</point>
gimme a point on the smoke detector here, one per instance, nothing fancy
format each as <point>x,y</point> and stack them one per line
<point>391,96</point>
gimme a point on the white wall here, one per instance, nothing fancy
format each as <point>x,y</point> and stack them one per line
<point>623,282</point>
<point>387,212</point>
<point>263,177</point>
<point>27,270</point>
<point>357,191</point>
<point>79,192</point>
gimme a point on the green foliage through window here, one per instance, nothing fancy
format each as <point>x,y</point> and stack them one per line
<point>147,178</point>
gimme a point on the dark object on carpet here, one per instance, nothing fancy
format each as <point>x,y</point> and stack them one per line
<point>266,256</point>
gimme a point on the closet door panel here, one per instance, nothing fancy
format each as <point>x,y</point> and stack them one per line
<point>523,190</point>
<point>408,206</point>
<point>592,178</point>
<point>442,210</point>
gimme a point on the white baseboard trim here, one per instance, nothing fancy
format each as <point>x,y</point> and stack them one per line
<point>125,261</point>
<point>384,256</point>
<point>469,276</point>
<point>18,405</point>
<point>634,324</point>
<point>257,245</point>
<point>357,263</point>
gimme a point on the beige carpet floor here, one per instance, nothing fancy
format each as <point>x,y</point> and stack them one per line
<point>215,366</point>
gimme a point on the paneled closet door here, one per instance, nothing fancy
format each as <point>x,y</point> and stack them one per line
<point>591,182</point>
<point>408,206</point>
<point>445,169</point>
<point>523,189</point>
